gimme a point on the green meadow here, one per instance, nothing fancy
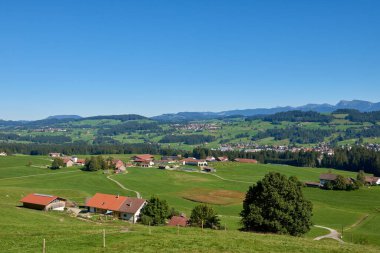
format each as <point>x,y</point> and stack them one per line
<point>357,212</point>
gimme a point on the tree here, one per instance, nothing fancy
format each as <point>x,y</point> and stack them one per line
<point>155,212</point>
<point>360,178</point>
<point>204,215</point>
<point>57,163</point>
<point>340,183</point>
<point>276,205</point>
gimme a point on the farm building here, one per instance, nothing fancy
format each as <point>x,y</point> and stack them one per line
<point>3,154</point>
<point>43,202</point>
<point>210,159</point>
<point>372,180</point>
<point>209,169</point>
<point>244,160</point>
<point>125,208</point>
<point>313,184</point>
<point>119,166</point>
<point>143,160</point>
<point>181,221</point>
<point>222,159</point>
<point>194,162</point>
<point>68,162</point>
<point>324,178</point>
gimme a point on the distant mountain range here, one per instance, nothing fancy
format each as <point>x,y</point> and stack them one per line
<point>64,117</point>
<point>360,105</point>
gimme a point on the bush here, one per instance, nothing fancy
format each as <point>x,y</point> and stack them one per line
<point>204,215</point>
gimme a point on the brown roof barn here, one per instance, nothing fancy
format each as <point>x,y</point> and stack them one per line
<point>43,202</point>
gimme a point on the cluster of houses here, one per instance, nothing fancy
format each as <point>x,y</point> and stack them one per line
<point>330,177</point>
<point>148,161</point>
<point>120,207</point>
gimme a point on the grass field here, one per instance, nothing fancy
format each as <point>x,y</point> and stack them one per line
<point>23,229</point>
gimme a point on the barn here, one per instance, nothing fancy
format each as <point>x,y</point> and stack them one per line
<point>43,202</point>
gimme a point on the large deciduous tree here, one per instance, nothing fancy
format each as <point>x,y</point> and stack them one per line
<point>276,205</point>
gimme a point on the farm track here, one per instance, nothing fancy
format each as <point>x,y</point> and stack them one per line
<point>335,235</point>
<point>138,195</point>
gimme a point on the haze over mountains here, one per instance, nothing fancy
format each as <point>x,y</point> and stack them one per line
<point>360,105</point>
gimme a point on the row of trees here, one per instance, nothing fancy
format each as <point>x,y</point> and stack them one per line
<point>187,139</point>
<point>298,135</point>
<point>157,211</point>
<point>294,116</point>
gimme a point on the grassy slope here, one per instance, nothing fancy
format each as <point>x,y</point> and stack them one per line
<point>330,209</point>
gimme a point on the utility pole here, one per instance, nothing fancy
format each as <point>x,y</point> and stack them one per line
<point>104,238</point>
<point>177,229</point>
<point>150,232</point>
<point>342,231</point>
<point>202,225</point>
<point>44,246</point>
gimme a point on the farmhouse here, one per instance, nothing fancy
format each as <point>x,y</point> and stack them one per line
<point>125,208</point>
<point>43,202</point>
<point>143,160</point>
<point>68,162</point>
<point>181,221</point>
<point>328,177</point>
<point>80,162</point>
<point>119,166</point>
<point>222,159</point>
<point>244,160</point>
<point>194,162</point>
<point>210,159</point>
<point>372,180</point>
<point>3,154</point>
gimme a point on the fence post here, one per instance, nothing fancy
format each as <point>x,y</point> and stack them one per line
<point>44,246</point>
<point>104,238</point>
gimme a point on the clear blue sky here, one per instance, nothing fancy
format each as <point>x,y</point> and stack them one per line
<point>150,57</point>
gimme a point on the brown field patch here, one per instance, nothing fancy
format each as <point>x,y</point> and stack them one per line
<point>215,197</point>
<point>182,177</point>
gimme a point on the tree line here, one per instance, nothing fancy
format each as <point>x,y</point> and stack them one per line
<point>294,116</point>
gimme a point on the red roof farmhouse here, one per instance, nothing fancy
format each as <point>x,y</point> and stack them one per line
<point>126,208</point>
<point>43,202</point>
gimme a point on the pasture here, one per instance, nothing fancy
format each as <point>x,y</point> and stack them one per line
<point>356,212</point>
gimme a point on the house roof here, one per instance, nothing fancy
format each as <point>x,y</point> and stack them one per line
<point>39,199</point>
<point>115,203</point>
<point>131,205</point>
<point>106,201</point>
<point>66,160</point>
<point>178,220</point>
<point>370,179</point>
<point>328,176</point>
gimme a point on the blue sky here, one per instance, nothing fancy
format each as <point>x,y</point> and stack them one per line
<point>152,57</point>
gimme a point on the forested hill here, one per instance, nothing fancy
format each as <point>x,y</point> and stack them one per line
<point>291,128</point>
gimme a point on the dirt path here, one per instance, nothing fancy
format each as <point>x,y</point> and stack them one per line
<point>335,235</point>
<point>360,221</point>
<point>138,195</point>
